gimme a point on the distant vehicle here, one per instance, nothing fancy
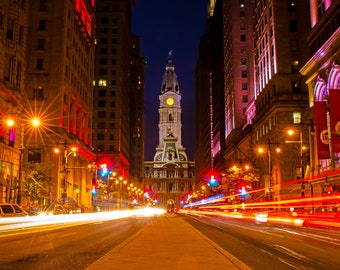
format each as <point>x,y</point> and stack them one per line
<point>31,210</point>
<point>11,210</point>
<point>55,209</point>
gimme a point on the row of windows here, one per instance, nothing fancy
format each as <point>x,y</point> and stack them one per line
<point>102,125</point>
<point>102,103</point>
<point>101,136</point>
<point>102,93</point>
<point>104,61</point>
<point>106,41</point>
<point>105,30</point>
<point>101,148</point>
<point>102,114</point>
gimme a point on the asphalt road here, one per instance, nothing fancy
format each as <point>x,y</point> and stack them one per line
<point>71,247</point>
<point>272,247</point>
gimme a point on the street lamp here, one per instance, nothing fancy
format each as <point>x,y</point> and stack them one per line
<point>302,148</point>
<point>269,152</point>
<point>67,153</point>
<point>35,123</point>
<point>120,182</point>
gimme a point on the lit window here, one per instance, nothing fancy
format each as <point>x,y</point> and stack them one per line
<point>102,83</point>
<point>296,118</point>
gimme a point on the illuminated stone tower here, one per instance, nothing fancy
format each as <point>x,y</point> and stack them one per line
<point>170,124</point>
<point>169,178</point>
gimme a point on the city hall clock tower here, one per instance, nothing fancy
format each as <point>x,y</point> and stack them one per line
<point>169,178</point>
<point>170,138</point>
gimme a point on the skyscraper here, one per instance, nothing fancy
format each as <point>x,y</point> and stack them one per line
<point>58,89</point>
<point>118,117</point>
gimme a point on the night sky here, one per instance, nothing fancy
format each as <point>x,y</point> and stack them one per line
<point>163,26</point>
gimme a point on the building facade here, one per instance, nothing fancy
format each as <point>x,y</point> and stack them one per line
<point>48,63</point>
<point>169,178</point>
<point>59,76</point>
<point>13,41</point>
<point>118,117</point>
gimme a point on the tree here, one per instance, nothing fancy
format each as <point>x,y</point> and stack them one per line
<point>37,183</point>
<point>237,177</point>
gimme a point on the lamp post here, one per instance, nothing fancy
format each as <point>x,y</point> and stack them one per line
<point>65,171</point>
<point>34,122</point>
<point>120,182</point>
<point>269,153</point>
<point>302,148</point>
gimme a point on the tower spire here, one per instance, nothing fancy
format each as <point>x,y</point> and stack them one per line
<point>170,82</point>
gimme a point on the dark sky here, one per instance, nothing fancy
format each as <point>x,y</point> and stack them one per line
<point>163,26</point>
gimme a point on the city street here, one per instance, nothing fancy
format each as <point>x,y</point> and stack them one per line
<point>272,247</point>
<point>64,245</point>
<point>78,245</point>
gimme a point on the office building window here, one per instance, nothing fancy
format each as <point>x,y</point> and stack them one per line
<point>244,98</point>
<point>243,37</point>
<point>41,44</point>
<point>100,147</point>
<point>101,125</point>
<point>102,93</point>
<point>101,103</point>
<point>40,63</point>
<point>291,5</point>
<point>101,114</point>
<point>102,71</point>
<point>112,115</point>
<point>42,25</point>
<point>34,155</point>
<point>103,50</point>
<point>244,86</point>
<point>243,61</point>
<point>100,136</point>
<point>292,26</point>
<point>104,20</point>
<point>102,83</point>
<point>296,85</point>
<point>42,5</point>
<point>38,93</point>
<point>244,74</point>
<point>103,61</point>
<point>10,28</point>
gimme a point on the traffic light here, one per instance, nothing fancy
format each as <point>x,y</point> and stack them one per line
<point>212,181</point>
<point>103,169</point>
<point>243,190</point>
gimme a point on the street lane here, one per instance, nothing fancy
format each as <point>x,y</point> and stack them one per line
<point>70,247</point>
<point>266,246</point>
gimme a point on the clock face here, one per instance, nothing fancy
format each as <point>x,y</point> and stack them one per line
<point>170,101</point>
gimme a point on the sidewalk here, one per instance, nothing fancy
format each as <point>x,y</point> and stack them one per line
<point>168,243</point>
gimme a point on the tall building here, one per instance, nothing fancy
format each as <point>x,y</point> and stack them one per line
<point>262,44</point>
<point>280,97</point>
<point>118,118</point>
<point>322,78</point>
<point>59,76</point>
<point>209,97</point>
<point>169,178</point>
<point>13,41</point>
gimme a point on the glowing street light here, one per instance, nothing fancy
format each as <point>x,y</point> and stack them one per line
<point>35,123</point>
<point>67,153</point>
<point>261,150</point>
